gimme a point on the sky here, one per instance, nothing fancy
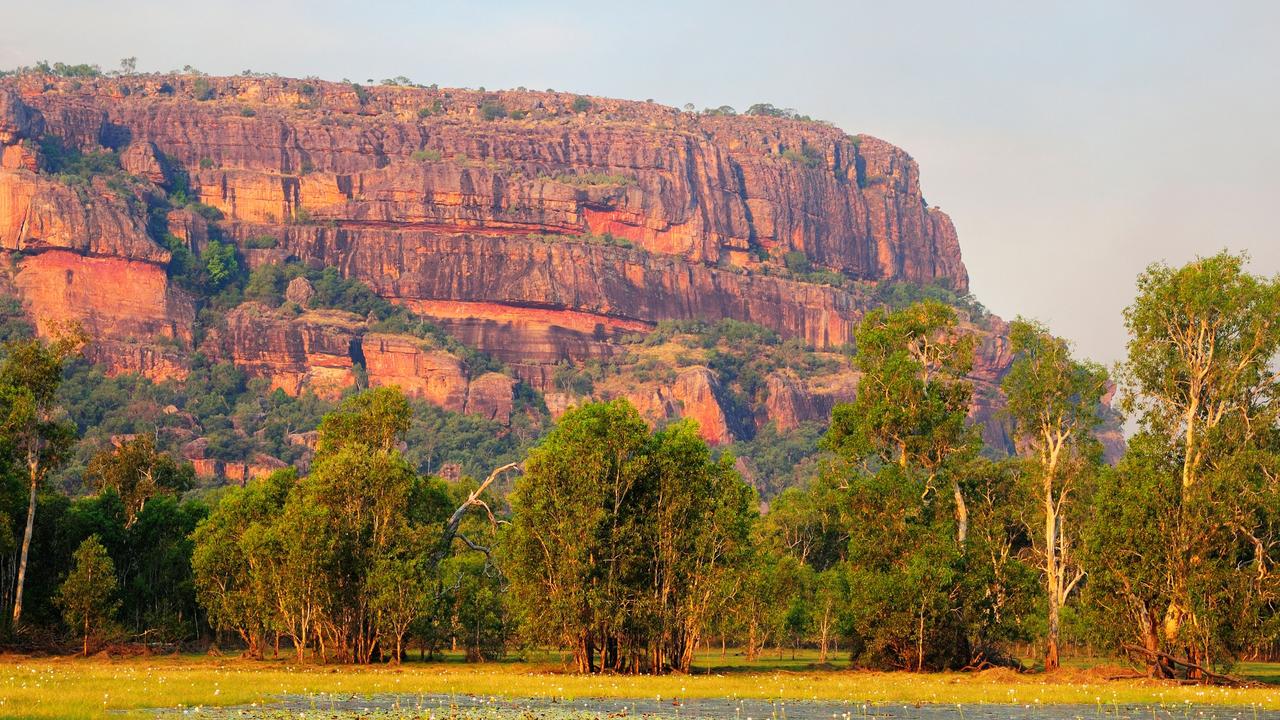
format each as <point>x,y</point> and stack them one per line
<point>1072,143</point>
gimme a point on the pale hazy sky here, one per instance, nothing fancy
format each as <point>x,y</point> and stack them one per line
<point>1072,142</point>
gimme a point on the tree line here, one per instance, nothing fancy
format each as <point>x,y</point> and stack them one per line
<point>630,548</point>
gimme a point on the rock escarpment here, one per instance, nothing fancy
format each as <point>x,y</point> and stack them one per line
<point>544,235</point>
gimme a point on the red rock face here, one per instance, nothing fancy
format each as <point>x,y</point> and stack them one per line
<point>420,371</point>
<point>311,351</point>
<point>792,400</point>
<point>695,194</point>
<point>696,394</point>
<point>137,321</point>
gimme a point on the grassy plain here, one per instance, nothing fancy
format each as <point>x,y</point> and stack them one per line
<point>95,687</point>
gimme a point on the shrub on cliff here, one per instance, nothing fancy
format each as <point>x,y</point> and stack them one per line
<point>768,110</point>
<point>492,110</point>
<point>796,261</point>
<point>220,263</point>
<point>72,165</point>
<point>807,155</point>
<point>436,108</point>
<point>202,90</point>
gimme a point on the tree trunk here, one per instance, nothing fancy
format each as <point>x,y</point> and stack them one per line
<point>1051,646</point>
<point>962,513</point>
<point>26,550</point>
<point>824,635</point>
<point>1053,573</point>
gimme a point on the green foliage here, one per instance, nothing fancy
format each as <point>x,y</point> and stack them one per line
<point>588,238</point>
<point>593,179</point>
<point>780,460</point>
<point>492,110</point>
<point>74,166</point>
<point>722,111</point>
<point>266,284</point>
<point>152,559</point>
<point>899,295</point>
<point>220,263</point>
<point>438,437</point>
<point>475,610</point>
<point>797,262</point>
<point>348,553</point>
<point>767,110</point>
<point>1054,402</point>
<point>807,156</point>
<point>137,472</point>
<point>261,242</point>
<point>36,437</point>
<point>427,155</point>
<point>919,530</point>
<point>436,108</point>
<point>81,70</point>
<point>87,595</point>
<point>1204,340</point>
<point>202,89</point>
<point>580,104</point>
<point>236,600</point>
<point>573,380</point>
<point>620,538</point>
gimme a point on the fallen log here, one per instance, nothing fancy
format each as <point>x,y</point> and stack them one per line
<point>1161,657</point>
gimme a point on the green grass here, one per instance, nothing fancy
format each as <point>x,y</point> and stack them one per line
<point>87,688</point>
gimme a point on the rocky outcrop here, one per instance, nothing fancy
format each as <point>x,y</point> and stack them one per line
<point>17,120</point>
<point>137,321</point>
<point>320,351</point>
<point>695,394</point>
<point>38,213</point>
<point>299,292</point>
<point>791,400</point>
<point>311,351</point>
<point>492,397</point>
<point>419,370</point>
<point>82,256</point>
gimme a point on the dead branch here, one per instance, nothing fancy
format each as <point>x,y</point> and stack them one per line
<point>451,527</point>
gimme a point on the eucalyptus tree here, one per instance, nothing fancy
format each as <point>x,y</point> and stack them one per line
<point>703,516</point>
<point>912,400</point>
<point>575,530</point>
<point>232,582</point>
<point>1198,577</point>
<point>622,540</point>
<point>902,446</point>
<point>32,421</point>
<point>137,472</point>
<point>1054,402</point>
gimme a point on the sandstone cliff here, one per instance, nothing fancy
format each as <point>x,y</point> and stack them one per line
<point>540,235</point>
